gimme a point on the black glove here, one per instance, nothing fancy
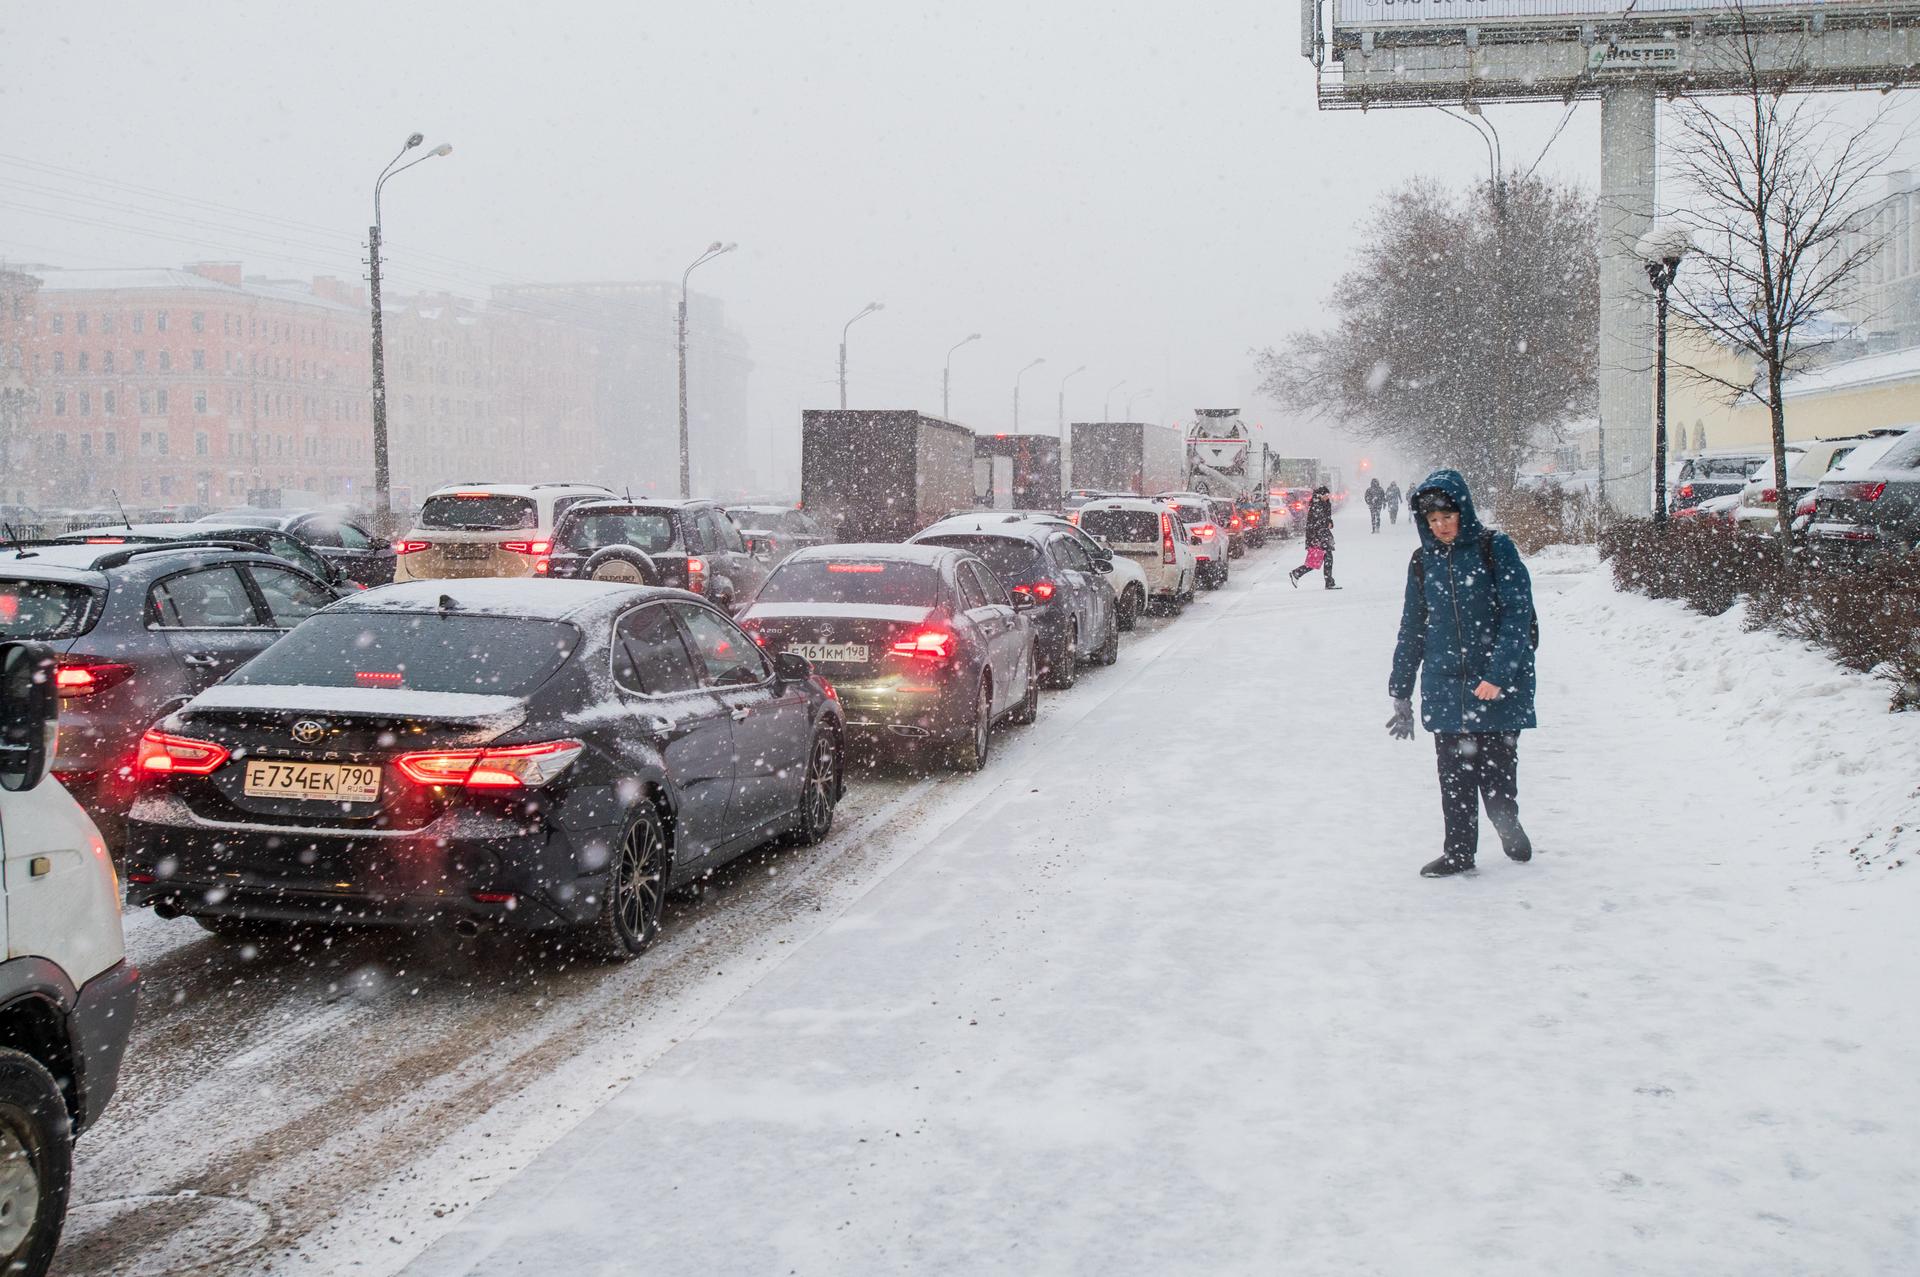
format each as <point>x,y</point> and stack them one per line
<point>1400,726</point>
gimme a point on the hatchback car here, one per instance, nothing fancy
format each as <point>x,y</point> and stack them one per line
<point>1711,474</point>
<point>1123,576</point>
<point>1073,614</point>
<point>486,529</point>
<point>1870,508</point>
<point>333,534</point>
<point>694,545</point>
<point>775,531</point>
<point>1146,534</point>
<point>138,630</point>
<point>550,756</point>
<point>1211,550</point>
<point>921,642</point>
<point>282,545</point>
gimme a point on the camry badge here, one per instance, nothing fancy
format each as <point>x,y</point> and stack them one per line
<point>309,731</point>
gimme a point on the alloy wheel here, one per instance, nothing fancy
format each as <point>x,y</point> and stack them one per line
<point>640,883</point>
<point>19,1191</point>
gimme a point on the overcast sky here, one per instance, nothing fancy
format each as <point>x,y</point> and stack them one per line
<point>1146,189</point>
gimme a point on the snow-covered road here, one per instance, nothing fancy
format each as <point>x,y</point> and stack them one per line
<point>1160,990</point>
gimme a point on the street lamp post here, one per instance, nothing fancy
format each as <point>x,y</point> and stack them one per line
<point>946,376</point>
<point>1060,422</point>
<point>1106,405</point>
<point>1661,249</point>
<point>1132,395</point>
<point>868,310</point>
<point>686,466</point>
<point>1016,391</point>
<point>382,476</point>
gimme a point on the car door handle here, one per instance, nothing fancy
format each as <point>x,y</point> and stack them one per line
<point>199,662</point>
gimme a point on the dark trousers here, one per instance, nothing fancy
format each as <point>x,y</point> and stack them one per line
<point>1476,766</point>
<point>1376,516</point>
<point>1393,512</point>
<point>1326,566</point>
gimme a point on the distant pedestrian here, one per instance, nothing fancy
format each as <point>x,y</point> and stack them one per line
<point>1393,502</point>
<point>1319,537</point>
<point>1376,500</point>
<point>1467,628</point>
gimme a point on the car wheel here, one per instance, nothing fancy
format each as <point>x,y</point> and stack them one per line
<point>820,791</point>
<point>36,1163</point>
<point>635,893</point>
<point>1210,579</point>
<point>1109,651</point>
<point>1029,707</point>
<point>1064,670</point>
<point>1132,604</point>
<point>970,754</point>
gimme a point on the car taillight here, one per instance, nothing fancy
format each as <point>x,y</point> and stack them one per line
<point>1686,490</point>
<point>105,541</point>
<point>1769,494</point>
<point>1204,531</point>
<point>378,678</point>
<point>697,575</point>
<point>935,645</point>
<point>84,677</point>
<point>1039,590</point>
<point>1166,537</point>
<point>505,767</point>
<point>527,547</point>
<point>411,547</point>
<point>1234,524</point>
<point>1866,491</point>
<point>162,754</point>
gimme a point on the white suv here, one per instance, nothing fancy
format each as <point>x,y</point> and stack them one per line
<point>66,991</point>
<point>1146,533</point>
<point>487,529</point>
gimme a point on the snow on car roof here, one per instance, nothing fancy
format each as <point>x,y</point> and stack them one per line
<point>523,597</point>
<point>908,552</point>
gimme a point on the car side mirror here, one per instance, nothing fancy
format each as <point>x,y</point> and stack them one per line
<point>791,667</point>
<point>1022,602</point>
<point>29,714</point>
<point>759,547</point>
<point>1103,566</point>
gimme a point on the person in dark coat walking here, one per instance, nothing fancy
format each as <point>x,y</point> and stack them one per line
<point>1467,628</point>
<point>1319,537</point>
<point>1376,498</point>
<point>1393,502</point>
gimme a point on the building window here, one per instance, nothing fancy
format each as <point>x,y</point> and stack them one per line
<point>107,406</point>
<point>106,361</point>
<point>199,361</point>
<point>86,403</point>
<point>146,443</point>
<point>160,441</point>
<point>60,444</point>
<point>80,324</point>
<point>200,402</point>
<point>139,361</point>
<point>200,445</point>
<point>166,483</point>
<point>86,445</point>
<point>80,362</point>
<point>106,324</point>
<point>160,406</point>
<point>146,403</point>
<point>199,321</point>
<point>113,443</point>
<point>59,361</point>
<point>59,324</point>
<point>166,361</point>
<point>146,486</point>
<point>139,321</point>
<point>59,403</point>
<point>159,321</point>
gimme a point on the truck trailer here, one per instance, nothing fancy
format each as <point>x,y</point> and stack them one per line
<point>882,475</point>
<point>1017,472</point>
<point>1127,456</point>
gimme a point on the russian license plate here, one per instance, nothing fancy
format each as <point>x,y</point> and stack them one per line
<point>836,653</point>
<point>332,782</point>
<point>465,550</point>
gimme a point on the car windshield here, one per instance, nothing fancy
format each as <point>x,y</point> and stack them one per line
<point>1725,468</point>
<point>892,584</point>
<point>479,512</point>
<point>649,530</point>
<point>1122,527</point>
<point>1013,561</point>
<point>44,609</point>
<point>499,656</point>
<point>1869,453</point>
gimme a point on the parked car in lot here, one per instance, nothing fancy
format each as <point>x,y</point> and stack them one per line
<point>1253,519</point>
<point>1211,551</point>
<point>1145,533</point>
<point>67,993</point>
<point>693,545</point>
<point>1870,505</point>
<point>1807,463</point>
<point>332,534</point>
<point>1711,474</point>
<point>550,756</point>
<point>137,630</point>
<point>1123,576</point>
<point>775,531</point>
<point>486,529</point>
<point>920,642</point>
<point>1718,510</point>
<point>282,545</point>
<point>1072,610</point>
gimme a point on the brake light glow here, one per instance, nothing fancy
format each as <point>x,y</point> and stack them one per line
<point>697,575</point>
<point>163,754</point>
<point>378,678</point>
<point>1686,490</point>
<point>527,547</point>
<point>856,567</point>
<point>1166,537</point>
<point>84,677</point>
<point>411,547</point>
<point>473,494</point>
<point>507,767</point>
<point>106,541</point>
<point>935,645</point>
<point>1039,590</point>
<point>1770,494</point>
<point>1234,524</point>
<point>540,567</point>
<point>1203,530</point>
<point>1866,491</point>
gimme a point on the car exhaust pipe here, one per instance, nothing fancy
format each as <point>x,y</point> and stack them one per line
<point>166,909</point>
<point>913,732</point>
<point>466,928</point>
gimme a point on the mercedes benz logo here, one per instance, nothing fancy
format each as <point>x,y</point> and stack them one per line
<point>309,731</point>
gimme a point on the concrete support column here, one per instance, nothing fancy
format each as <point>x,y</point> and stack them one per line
<point>1627,157</point>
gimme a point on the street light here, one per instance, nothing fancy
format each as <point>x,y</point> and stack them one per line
<point>1106,405</point>
<point>686,470</point>
<point>1132,395</point>
<point>870,308</point>
<point>1661,249</point>
<point>946,376</point>
<point>1016,391</point>
<point>382,481</point>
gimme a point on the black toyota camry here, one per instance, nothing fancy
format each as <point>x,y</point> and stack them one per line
<point>545,755</point>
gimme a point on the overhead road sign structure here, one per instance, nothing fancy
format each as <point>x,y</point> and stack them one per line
<point>1417,52</point>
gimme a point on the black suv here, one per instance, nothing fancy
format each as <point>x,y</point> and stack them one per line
<point>694,545</point>
<point>139,629</point>
<point>330,533</point>
<point>491,752</point>
<point>1873,510</point>
<point>282,545</point>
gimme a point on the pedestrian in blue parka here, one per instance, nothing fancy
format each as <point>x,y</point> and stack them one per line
<point>1467,628</point>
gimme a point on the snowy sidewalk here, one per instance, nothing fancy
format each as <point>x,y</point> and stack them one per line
<point>1171,997</point>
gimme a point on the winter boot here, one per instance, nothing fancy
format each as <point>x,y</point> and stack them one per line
<point>1332,586</point>
<point>1293,578</point>
<point>1445,867</point>
<point>1521,851</point>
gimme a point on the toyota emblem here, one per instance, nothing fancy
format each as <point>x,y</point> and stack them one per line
<point>309,731</point>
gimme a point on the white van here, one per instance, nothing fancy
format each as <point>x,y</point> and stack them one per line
<point>66,991</point>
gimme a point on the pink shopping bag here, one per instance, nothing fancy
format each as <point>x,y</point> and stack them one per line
<point>1316,557</point>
